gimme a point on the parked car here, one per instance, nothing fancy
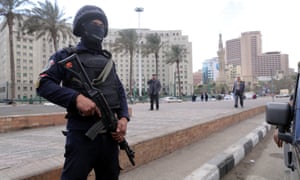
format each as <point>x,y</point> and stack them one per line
<point>282,95</point>
<point>170,99</point>
<point>49,104</point>
<point>7,101</point>
<point>228,97</point>
<point>216,96</point>
<point>250,95</point>
<point>210,98</point>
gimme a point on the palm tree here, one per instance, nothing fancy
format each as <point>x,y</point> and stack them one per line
<point>175,55</point>
<point>153,45</point>
<point>11,9</point>
<point>48,19</point>
<point>127,43</point>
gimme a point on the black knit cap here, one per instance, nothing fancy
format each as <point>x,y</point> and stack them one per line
<point>85,14</point>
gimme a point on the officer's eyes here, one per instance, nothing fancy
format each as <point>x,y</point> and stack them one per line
<point>98,23</point>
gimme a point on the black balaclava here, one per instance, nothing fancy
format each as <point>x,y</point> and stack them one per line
<point>91,34</point>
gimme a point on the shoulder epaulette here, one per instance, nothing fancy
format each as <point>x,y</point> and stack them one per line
<point>106,53</point>
<point>70,49</point>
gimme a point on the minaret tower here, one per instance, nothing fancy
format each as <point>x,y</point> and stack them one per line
<point>221,56</point>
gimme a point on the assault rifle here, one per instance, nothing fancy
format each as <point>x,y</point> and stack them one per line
<point>286,116</point>
<point>108,118</point>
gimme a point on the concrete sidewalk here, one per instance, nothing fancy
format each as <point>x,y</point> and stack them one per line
<point>207,159</point>
<point>37,153</point>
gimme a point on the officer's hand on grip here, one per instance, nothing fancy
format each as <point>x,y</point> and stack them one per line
<point>278,141</point>
<point>86,107</point>
<point>120,133</point>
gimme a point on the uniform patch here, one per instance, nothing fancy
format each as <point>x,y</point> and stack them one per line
<point>69,65</point>
<point>48,65</point>
<point>43,75</point>
<point>37,84</point>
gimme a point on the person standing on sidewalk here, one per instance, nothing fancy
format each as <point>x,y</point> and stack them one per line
<point>153,91</point>
<point>82,155</point>
<point>238,91</point>
<point>206,96</point>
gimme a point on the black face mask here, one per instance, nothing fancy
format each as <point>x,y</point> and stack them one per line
<point>93,36</point>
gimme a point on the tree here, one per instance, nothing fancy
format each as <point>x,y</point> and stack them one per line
<point>153,45</point>
<point>48,19</point>
<point>11,9</point>
<point>127,43</point>
<point>175,55</point>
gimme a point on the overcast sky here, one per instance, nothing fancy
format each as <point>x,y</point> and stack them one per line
<point>203,20</point>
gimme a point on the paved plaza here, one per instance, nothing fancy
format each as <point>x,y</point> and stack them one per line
<point>25,151</point>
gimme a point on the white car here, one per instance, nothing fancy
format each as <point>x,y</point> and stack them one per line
<point>228,97</point>
<point>282,95</point>
<point>170,99</point>
<point>49,104</point>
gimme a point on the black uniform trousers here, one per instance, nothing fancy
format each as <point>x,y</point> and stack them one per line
<point>82,155</point>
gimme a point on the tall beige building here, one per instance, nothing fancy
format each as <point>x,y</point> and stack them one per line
<point>246,51</point>
<point>166,72</point>
<point>31,55</point>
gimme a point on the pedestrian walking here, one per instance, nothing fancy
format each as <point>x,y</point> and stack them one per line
<point>238,91</point>
<point>153,91</point>
<point>206,96</point>
<point>194,97</point>
<point>202,96</point>
<point>56,84</point>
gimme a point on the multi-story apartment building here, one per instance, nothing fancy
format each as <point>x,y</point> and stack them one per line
<point>167,73</point>
<point>246,52</point>
<point>31,55</point>
<point>197,78</point>
<point>271,63</point>
<point>210,70</point>
<point>232,71</point>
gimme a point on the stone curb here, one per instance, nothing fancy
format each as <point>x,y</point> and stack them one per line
<point>220,165</point>
<point>27,121</point>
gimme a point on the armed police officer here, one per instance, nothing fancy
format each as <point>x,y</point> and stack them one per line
<point>81,153</point>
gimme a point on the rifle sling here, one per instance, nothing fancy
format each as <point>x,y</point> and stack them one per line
<point>103,75</point>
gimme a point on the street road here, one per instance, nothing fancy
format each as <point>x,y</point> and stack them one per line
<point>265,162</point>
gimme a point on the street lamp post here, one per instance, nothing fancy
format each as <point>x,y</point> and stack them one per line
<point>139,10</point>
<point>272,85</point>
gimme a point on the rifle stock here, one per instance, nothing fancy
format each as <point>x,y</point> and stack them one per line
<point>108,118</point>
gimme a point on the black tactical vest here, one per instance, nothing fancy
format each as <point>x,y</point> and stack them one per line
<point>94,65</point>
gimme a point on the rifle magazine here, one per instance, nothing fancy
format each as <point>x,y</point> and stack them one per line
<point>97,128</point>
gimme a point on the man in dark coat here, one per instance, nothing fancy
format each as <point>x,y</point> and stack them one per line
<point>238,91</point>
<point>153,91</point>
